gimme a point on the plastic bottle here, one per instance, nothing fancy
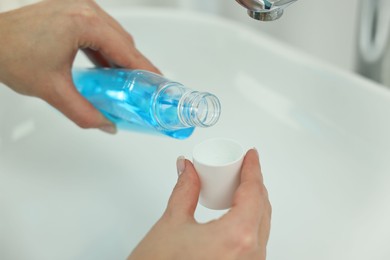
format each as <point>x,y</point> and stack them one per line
<point>143,101</point>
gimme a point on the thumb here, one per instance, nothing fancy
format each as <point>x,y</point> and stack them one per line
<point>184,198</point>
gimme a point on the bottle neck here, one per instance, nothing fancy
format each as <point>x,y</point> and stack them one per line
<point>199,109</point>
<point>177,107</point>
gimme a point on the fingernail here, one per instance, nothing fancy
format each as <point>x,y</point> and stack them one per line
<point>180,165</point>
<point>110,129</point>
<point>257,152</point>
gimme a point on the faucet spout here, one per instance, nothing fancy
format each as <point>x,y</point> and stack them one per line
<point>265,10</point>
<point>373,45</point>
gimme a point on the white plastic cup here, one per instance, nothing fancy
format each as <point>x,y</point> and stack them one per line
<point>218,164</point>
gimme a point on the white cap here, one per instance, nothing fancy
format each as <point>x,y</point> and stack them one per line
<point>218,163</point>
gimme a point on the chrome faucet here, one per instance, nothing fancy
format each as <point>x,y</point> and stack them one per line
<point>265,10</point>
<point>373,44</point>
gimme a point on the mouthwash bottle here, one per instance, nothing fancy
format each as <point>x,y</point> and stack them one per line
<point>143,101</point>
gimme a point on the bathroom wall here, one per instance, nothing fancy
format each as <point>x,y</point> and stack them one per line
<point>323,28</point>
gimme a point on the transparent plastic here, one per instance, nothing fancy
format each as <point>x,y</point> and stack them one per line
<point>143,101</point>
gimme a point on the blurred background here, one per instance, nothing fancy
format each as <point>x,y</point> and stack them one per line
<point>326,29</point>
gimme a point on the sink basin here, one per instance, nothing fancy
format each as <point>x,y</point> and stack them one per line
<point>322,133</point>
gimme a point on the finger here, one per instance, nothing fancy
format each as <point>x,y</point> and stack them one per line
<point>184,198</point>
<point>64,96</point>
<point>97,58</point>
<point>115,47</point>
<point>265,226</point>
<point>249,200</point>
<point>113,23</point>
<point>251,169</point>
<point>251,203</point>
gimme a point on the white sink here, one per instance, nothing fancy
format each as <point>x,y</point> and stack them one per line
<point>322,133</point>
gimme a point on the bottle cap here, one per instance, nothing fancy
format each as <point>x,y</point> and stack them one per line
<point>218,163</point>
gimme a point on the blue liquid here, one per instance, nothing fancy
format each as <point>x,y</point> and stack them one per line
<point>128,99</point>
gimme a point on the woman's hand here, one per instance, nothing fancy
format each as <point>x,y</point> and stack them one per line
<point>242,233</point>
<point>38,44</point>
